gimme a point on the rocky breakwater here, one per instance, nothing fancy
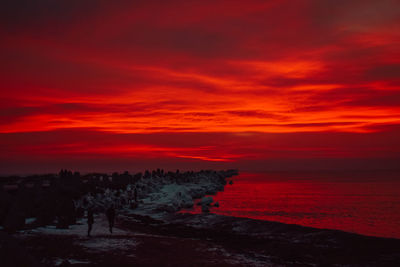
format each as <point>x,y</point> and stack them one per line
<point>158,193</point>
<point>168,194</point>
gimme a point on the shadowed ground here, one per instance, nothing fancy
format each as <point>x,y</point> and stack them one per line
<point>199,240</point>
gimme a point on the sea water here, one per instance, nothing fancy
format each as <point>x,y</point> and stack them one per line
<point>361,202</point>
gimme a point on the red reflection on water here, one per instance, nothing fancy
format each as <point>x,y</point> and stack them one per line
<point>364,203</point>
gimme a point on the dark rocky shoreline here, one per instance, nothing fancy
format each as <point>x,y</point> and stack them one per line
<point>204,240</point>
<point>292,244</point>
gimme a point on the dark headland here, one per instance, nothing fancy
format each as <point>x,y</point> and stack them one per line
<point>43,221</point>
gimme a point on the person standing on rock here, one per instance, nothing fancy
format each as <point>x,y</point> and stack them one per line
<point>90,220</point>
<point>135,194</point>
<point>110,213</point>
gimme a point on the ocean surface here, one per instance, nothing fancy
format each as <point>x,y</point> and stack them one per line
<point>362,202</point>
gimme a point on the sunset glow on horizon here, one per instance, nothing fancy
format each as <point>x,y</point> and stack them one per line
<point>180,82</point>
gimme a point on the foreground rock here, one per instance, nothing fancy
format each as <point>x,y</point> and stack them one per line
<point>264,243</point>
<point>205,201</point>
<point>198,240</point>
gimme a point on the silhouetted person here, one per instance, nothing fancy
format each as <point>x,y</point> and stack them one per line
<point>110,217</point>
<point>90,220</point>
<point>135,194</point>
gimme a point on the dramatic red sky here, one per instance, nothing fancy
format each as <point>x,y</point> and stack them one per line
<point>257,85</point>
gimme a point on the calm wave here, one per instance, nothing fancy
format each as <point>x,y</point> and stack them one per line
<point>365,203</point>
